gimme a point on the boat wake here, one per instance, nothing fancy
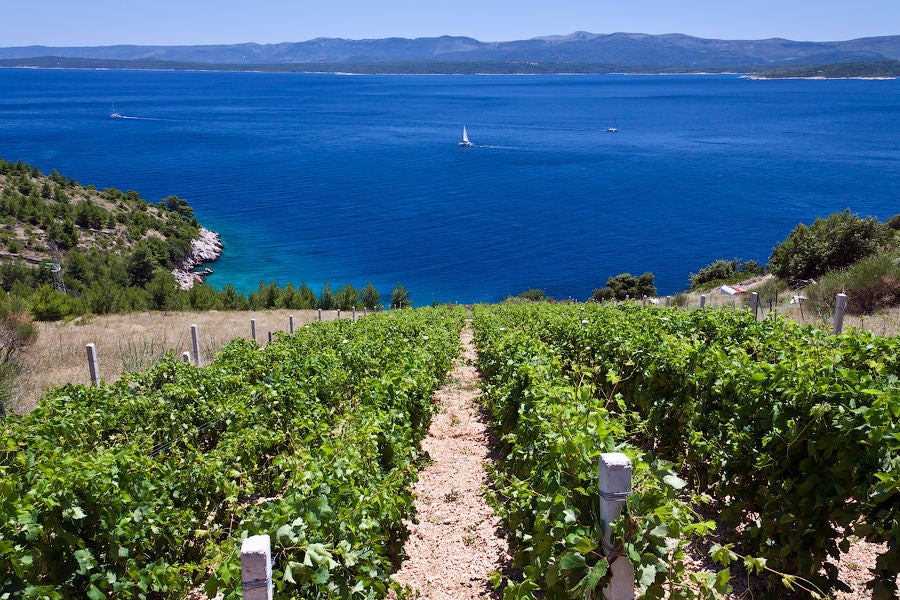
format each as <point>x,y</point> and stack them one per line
<point>142,118</point>
<point>492,147</point>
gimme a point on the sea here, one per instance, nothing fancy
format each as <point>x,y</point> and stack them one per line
<point>358,178</point>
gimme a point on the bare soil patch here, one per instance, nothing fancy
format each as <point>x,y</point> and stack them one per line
<point>458,541</point>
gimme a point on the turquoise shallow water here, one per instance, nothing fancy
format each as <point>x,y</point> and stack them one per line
<point>355,178</point>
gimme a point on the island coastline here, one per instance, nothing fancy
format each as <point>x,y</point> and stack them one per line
<point>205,249</point>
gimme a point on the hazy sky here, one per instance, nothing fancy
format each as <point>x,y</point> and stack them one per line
<point>177,22</point>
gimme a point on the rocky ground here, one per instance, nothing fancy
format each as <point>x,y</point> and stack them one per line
<point>458,541</point>
<point>206,249</point>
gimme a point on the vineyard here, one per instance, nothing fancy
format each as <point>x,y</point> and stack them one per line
<point>790,433</point>
<point>768,444</point>
<point>145,488</point>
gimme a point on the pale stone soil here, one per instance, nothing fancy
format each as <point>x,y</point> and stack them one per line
<point>458,541</point>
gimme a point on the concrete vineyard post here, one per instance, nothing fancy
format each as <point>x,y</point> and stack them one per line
<point>840,309</point>
<point>195,341</point>
<point>253,329</point>
<point>754,304</point>
<point>256,568</point>
<point>668,301</point>
<point>354,313</point>
<point>320,315</point>
<point>644,300</point>
<point>270,337</point>
<point>614,477</point>
<point>186,356</point>
<point>702,300</point>
<point>93,366</point>
<point>291,324</point>
<point>338,313</point>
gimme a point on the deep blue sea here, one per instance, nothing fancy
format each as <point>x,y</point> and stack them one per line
<point>313,177</point>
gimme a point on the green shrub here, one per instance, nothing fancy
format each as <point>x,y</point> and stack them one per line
<point>626,285</point>
<point>715,271</point>
<point>871,284</point>
<point>532,295</point>
<point>370,296</point>
<point>894,222</point>
<point>400,296</point>
<point>828,244</point>
<point>48,304</point>
<point>346,298</point>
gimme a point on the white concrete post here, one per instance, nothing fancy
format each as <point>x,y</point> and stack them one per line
<point>614,475</point>
<point>644,300</point>
<point>339,313</point>
<point>668,300</point>
<point>291,324</point>
<point>256,568</point>
<point>354,313</point>
<point>840,309</point>
<point>195,341</point>
<point>365,312</point>
<point>93,366</point>
<point>320,315</point>
<point>270,337</point>
<point>702,300</point>
<point>186,357</point>
<point>253,329</point>
<point>754,304</point>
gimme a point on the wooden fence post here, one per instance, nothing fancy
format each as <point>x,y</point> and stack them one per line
<point>754,304</point>
<point>256,568</point>
<point>195,341</point>
<point>840,309</point>
<point>614,476</point>
<point>253,329</point>
<point>93,366</point>
<point>291,324</point>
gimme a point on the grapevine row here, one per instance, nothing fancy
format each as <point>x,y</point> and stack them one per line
<point>792,431</point>
<point>144,488</point>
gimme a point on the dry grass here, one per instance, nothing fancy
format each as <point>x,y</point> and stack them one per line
<point>886,323</point>
<point>133,342</point>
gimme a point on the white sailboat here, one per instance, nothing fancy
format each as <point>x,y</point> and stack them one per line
<point>465,143</point>
<point>115,114</point>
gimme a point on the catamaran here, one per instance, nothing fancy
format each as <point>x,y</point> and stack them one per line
<point>465,143</point>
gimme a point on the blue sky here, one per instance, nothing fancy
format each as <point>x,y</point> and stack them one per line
<point>176,22</point>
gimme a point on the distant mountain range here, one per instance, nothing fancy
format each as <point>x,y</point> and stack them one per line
<point>617,51</point>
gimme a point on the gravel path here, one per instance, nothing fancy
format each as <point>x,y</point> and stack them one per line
<point>458,541</point>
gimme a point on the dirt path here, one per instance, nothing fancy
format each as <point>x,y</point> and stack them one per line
<point>458,541</point>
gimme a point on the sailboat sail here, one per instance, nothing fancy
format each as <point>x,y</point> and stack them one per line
<point>465,143</point>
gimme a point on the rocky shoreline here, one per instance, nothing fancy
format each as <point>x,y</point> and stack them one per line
<point>205,249</point>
